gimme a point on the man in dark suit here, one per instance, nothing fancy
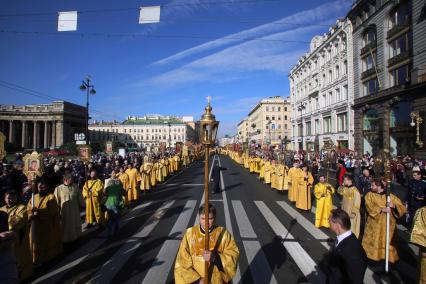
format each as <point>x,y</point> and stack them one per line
<point>215,177</point>
<point>348,260</point>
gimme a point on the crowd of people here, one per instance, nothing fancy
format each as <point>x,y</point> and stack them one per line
<point>363,195</point>
<point>41,217</point>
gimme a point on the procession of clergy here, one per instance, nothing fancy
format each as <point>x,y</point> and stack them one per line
<point>49,221</point>
<point>369,209</point>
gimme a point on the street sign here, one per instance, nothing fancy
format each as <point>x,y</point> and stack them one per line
<point>79,136</point>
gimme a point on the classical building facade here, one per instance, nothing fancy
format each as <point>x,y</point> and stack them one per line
<point>321,92</point>
<point>269,121</point>
<point>146,131</point>
<point>389,76</point>
<point>243,131</point>
<point>42,125</point>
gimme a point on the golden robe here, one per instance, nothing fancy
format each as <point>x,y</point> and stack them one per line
<point>324,196</point>
<point>252,165</point>
<point>92,193</point>
<point>170,165</point>
<point>146,176</point>
<point>154,174</point>
<point>189,266</point>
<point>124,178</point>
<point>280,171</point>
<point>160,177</point>
<point>176,163</point>
<point>267,169</point>
<point>303,197</point>
<point>293,179</point>
<point>18,223</point>
<point>165,168</point>
<point>274,176</point>
<point>246,161</point>
<point>374,239</point>
<point>261,169</point>
<point>70,200</point>
<point>45,228</point>
<point>351,204</point>
<point>418,237</point>
<point>134,178</point>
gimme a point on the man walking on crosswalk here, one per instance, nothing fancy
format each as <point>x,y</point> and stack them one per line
<point>223,253</point>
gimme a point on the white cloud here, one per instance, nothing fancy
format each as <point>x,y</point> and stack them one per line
<point>316,14</point>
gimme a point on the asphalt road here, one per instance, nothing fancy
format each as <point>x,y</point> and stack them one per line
<point>278,243</point>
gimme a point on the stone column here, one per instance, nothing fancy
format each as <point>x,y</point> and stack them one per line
<point>11,131</point>
<point>45,140</point>
<point>24,134</point>
<point>59,133</point>
<point>53,134</point>
<point>35,135</point>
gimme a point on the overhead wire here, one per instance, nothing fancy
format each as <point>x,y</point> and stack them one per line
<point>203,3</point>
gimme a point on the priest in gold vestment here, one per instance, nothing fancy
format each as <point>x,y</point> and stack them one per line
<point>351,203</point>
<point>374,239</point>
<point>418,237</point>
<point>323,192</point>
<point>45,228</point>
<point>303,196</point>
<point>223,253</point>
<point>18,223</point>
<point>293,179</point>
<point>92,193</point>
<point>134,179</point>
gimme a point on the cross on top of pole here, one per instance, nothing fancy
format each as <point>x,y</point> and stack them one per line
<point>209,98</point>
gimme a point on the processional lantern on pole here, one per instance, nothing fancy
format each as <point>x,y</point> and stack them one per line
<point>382,167</point>
<point>330,156</point>
<point>207,133</point>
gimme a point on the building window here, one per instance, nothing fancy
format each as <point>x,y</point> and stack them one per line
<point>342,122</point>
<point>279,109</point>
<point>368,61</point>
<point>267,108</point>
<point>399,16</point>
<point>317,126</point>
<point>337,72</point>
<point>273,108</point>
<point>338,98</point>
<point>398,46</point>
<point>345,67</point>
<point>327,124</point>
<point>399,76</point>
<point>308,128</point>
<point>279,117</point>
<point>273,118</point>
<point>285,109</point>
<point>369,36</point>
<point>330,76</point>
<point>285,126</point>
<point>371,86</point>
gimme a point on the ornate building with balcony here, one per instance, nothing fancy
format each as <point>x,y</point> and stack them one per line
<point>321,92</point>
<point>389,76</point>
<point>268,123</point>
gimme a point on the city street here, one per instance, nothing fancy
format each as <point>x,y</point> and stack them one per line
<point>278,243</point>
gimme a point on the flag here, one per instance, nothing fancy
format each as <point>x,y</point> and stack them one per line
<point>67,21</point>
<point>149,15</point>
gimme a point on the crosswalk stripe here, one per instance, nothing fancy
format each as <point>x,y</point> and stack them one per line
<point>318,234</point>
<point>116,262</point>
<point>76,258</point>
<point>258,264</point>
<point>237,277</point>
<point>314,231</point>
<point>244,226</point>
<point>167,254</point>
<point>305,263</point>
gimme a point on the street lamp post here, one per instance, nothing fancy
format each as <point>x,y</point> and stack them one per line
<point>208,131</point>
<point>90,89</point>
<point>300,108</point>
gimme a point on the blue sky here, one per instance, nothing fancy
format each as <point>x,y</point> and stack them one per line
<point>236,51</point>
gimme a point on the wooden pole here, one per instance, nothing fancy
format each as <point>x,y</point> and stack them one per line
<point>206,212</point>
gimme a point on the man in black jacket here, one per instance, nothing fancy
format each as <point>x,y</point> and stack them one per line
<point>215,177</point>
<point>348,260</point>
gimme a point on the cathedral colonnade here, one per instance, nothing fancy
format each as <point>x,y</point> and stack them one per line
<point>33,134</point>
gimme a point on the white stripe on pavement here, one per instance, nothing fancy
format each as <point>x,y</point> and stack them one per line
<point>314,231</point>
<point>318,234</point>
<point>116,262</point>
<point>305,263</point>
<point>259,266</point>
<point>76,258</point>
<point>246,230</point>
<point>237,277</point>
<point>167,254</point>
